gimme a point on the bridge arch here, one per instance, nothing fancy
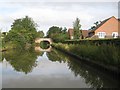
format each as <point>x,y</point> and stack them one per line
<point>39,40</point>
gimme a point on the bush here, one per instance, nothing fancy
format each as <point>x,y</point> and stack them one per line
<point>116,42</point>
<point>105,54</point>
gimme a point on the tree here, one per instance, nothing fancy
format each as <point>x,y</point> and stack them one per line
<point>57,34</point>
<point>64,30</point>
<point>24,23</point>
<point>77,30</point>
<point>23,31</point>
<point>53,30</point>
<point>0,40</point>
<point>40,34</point>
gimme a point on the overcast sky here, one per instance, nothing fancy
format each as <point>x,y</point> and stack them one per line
<point>62,13</point>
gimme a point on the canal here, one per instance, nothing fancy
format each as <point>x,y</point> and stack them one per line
<point>34,68</point>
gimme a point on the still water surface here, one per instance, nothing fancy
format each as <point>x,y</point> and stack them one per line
<point>53,69</point>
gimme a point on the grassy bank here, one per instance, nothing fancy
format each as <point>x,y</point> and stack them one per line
<point>107,55</point>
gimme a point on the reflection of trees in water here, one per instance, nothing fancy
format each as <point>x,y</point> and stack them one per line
<point>1,58</point>
<point>55,56</point>
<point>91,76</point>
<point>22,60</point>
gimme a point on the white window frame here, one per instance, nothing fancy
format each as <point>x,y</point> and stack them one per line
<point>101,34</point>
<point>114,34</point>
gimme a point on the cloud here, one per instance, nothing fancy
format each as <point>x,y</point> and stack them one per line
<point>59,1</point>
<point>47,14</point>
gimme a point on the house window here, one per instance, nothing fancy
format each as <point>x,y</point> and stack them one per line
<point>101,34</point>
<point>115,34</point>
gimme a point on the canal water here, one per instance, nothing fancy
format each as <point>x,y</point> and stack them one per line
<point>34,68</point>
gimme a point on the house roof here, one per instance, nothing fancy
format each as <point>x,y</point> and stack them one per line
<point>104,21</point>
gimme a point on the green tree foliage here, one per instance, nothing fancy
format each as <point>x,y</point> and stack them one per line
<point>40,34</point>
<point>53,30</point>
<point>0,39</point>
<point>15,38</point>
<point>0,46</point>
<point>57,34</point>
<point>77,30</point>
<point>23,31</point>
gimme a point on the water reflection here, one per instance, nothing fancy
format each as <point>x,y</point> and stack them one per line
<point>39,49</point>
<point>54,67</point>
<point>91,76</point>
<point>22,60</point>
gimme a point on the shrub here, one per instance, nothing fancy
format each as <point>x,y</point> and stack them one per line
<point>105,54</point>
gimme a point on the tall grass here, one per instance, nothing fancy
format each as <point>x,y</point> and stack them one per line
<point>104,54</point>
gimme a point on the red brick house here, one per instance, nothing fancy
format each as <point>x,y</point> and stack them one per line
<point>85,33</point>
<point>71,33</point>
<point>109,28</point>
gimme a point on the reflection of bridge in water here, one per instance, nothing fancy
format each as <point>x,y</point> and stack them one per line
<point>39,49</point>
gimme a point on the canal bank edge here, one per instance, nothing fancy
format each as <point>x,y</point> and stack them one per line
<point>106,69</point>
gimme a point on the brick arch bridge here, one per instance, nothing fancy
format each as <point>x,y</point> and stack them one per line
<point>38,40</point>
